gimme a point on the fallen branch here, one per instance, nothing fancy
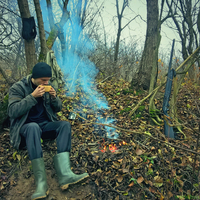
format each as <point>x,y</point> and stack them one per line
<point>141,101</point>
<point>135,132</point>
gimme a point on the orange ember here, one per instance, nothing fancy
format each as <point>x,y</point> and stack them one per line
<point>122,143</point>
<point>112,147</point>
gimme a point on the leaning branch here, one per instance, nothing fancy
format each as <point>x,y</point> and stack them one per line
<point>156,89</point>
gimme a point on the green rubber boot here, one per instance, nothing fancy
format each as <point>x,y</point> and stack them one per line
<point>63,170</point>
<point>40,179</point>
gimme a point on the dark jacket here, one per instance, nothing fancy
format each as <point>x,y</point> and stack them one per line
<point>19,104</point>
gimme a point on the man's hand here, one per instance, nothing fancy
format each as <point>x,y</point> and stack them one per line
<point>52,92</point>
<point>38,92</point>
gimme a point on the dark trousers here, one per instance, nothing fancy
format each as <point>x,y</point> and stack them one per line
<point>33,132</point>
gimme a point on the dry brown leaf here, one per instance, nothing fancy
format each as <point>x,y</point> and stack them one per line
<point>140,179</point>
<point>96,158</point>
<point>108,172</point>
<point>170,194</point>
<point>180,181</point>
<point>153,148</point>
<point>149,167</point>
<point>133,144</point>
<point>162,197</point>
<point>131,184</point>
<point>125,170</point>
<point>158,179</point>
<point>97,182</point>
<point>173,172</point>
<point>117,198</point>
<point>120,179</point>
<point>152,190</point>
<point>116,164</point>
<point>150,183</point>
<point>139,152</point>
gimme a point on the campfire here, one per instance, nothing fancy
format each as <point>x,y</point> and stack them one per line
<point>104,146</point>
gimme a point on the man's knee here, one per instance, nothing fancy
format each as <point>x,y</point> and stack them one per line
<point>64,128</point>
<point>33,126</point>
<point>65,124</point>
<point>32,130</point>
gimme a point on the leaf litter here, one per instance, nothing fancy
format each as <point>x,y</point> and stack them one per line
<point>140,166</point>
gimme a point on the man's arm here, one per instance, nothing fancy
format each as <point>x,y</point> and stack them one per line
<point>56,103</point>
<point>18,104</point>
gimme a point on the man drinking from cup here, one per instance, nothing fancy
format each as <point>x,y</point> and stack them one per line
<point>32,108</point>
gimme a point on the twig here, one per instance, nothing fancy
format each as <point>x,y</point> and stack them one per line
<point>142,144</point>
<point>115,190</point>
<point>188,58</point>
<point>109,77</point>
<point>167,119</point>
<point>141,101</point>
<point>144,188</point>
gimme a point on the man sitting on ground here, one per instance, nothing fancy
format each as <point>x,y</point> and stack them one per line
<point>32,113</point>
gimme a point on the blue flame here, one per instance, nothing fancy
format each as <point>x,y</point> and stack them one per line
<point>76,66</point>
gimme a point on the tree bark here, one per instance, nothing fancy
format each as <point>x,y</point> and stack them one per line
<point>119,30</point>
<point>149,62</point>
<point>7,78</point>
<point>31,58</point>
<point>43,44</point>
<point>198,22</point>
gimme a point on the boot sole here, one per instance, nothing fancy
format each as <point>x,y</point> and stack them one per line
<point>64,187</point>
<point>42,197</point>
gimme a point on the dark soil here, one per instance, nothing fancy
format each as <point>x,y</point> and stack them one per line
<point>142,167</point>
<point>20,185</point>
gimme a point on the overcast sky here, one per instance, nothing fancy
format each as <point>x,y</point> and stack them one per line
<point>137,28</point>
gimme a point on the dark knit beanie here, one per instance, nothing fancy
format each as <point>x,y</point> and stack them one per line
<point>40,70</point>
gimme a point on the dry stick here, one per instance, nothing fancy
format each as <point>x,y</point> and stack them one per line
<point>156,89</point>
<point>139,132</point>
<point>141,101</point>
<point>196,51</point>
<point>115,190</point>
<point>110,77</point>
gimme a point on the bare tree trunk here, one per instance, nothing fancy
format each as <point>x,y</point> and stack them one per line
<point>198,21</point>
<point>31,58</point>
<point>149,63</point>
<point>8,80</point>
<point>43,44</point>
<point>119,30</point>
<point>118,38</point>
<point>58,28</point>
<point>15,64</point>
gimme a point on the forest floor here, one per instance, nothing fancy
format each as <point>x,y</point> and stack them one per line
<point>139,164</point>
